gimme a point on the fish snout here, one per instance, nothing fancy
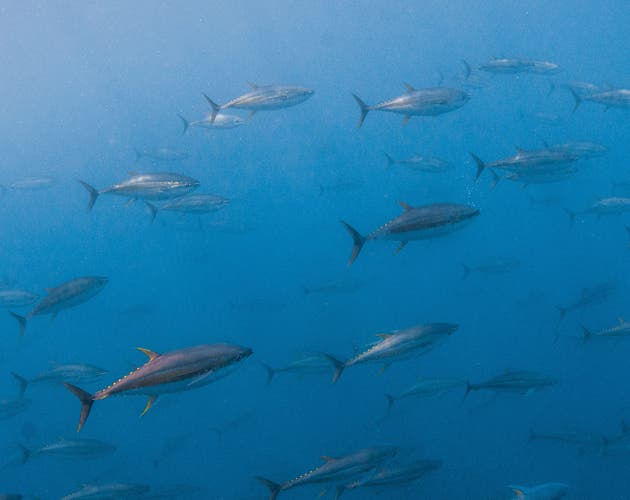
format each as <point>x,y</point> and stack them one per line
<point>245,352</point>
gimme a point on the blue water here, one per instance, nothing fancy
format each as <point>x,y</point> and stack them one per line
<point>87,83</point>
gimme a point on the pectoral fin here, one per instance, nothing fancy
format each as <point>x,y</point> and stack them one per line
<point>400,247</point>
<point>130,202</point>
<point>250,115</point>
<point>406,119</point>
<point>149,405</point>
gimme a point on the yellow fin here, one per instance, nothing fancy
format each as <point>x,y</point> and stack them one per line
<point>152,355</point>
<point>149,405</point>
<point>405,206</point>
<point>519,493</point>
<point>323,492</point>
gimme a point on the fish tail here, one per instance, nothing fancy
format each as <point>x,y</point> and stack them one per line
<point>390,160</point>
<point>469,387</point>
<point>185,123</point>
<point>339,366</point>
<point>390,403</point>
<point>480,165</point>
<point>153,208</point>
<point>562,310</point>
<point>86,399</point>
<point>578,99</point>
<point>23,383</point>
<point>495,179</point>
<point>274,488</point>
<point>552,88</point>
<point>364,109</point>
<point>467,271</point>
<point>25,453</point>
<point>358,240</point>
<point>215,108</point>
<point>270,372</point>
<point>21,321</point>
<point>532,434</point>
<point>339,491</point>
<point>138,154</point>
<point>571,215</point>
<point>93,194</point>
<point>467,69</point>
<point>586,334</point>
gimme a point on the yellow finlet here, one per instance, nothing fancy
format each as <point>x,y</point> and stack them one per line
<point>152,354</point>
<point>323,492</point>
<point>519,493</point>
<point>149,405</point>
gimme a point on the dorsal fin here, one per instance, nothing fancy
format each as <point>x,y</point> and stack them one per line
<point>405,206</point>
<point>152,355</point>
<point>383,335</point>
<point>409,87</point>
<point>252,85</point>
<point>326,458</point>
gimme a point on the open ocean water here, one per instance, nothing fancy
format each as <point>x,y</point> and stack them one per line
<point>503,354</point>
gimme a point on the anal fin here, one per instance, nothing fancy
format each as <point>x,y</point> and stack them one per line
<point>149,404</point>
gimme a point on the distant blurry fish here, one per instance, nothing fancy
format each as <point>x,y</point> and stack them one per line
<point>614,205</point>
<point>75,373</point>
<point>155,187</point>
<point>12,407</point>
<point>221,121</point>
<point>398,345</point>
<point>426,387</point>
<point>548,491</point>
<point>541,177</point>
<point>392,475</point>
<point>11,496</point>
<point>580,88</point>
<point>161,154</point>
<point>515,65</point>
<point>80,449</point>
<point>580,149</point>
<point>346,285</point>
<point>514,381</point>
<point>16,298</point>
<point>588,297</point>
<point>529,161</point>
<point>335,469</point>
<point>621,329</point>
<point>112,491</point>
<point>416,223</point>
<point>584,441</point>
<point>305,365</point>
<point>493,266</point>
<point>191,204</point>
<point>418,102</point>
<point>173,371</point>
<point>421,163</point>
<point>617,98</point>
<point>69,294</point>
<point>546,117</point>
<point>264,98</point>
<point>31,184</point>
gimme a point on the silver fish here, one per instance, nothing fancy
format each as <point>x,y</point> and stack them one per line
<point>541,160</point>
<point>17,298</point>
<point>541,177</point>
<point>422,163</point>
<point>514,381</point>
<point>426,387</point>
<point>589,296</point>
<point>263,98</point>
<point>191,204</point>
<point>580,149</point>
<point>162,154</point>
<point>418,102</point>
<point>175,371</point>
<point>617,98</point>
<point>547,491</point>
<point>621,329</point>
<point>316,363</point>
<point>584,441</point>
<point>80,449</point>
<point>335,469</point>
<point>71,372</point>
<point>32,183</point>
<point>153,187</point>
<point>222,121</point>
<point>12,407</point>
<point>112,491</point>
<point>69,294</point>
<point>416,223</point>
<point>515,65</point>
<point>398,345</point>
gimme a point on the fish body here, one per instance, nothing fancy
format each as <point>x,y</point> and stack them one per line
<point>426,387</point>
<point>621,329</point>
<point>588,297</point>
<point>614,205</point>
<point>162,154</point>
<point>537,177</point>
<point>514,381</point>
<point>174,371</point>
<point>506,66</point>
<point>401,344</point>
<point>418,102</point>
<point>11,496</point>
<point>222,121</point>
<point>112,491</point>
<point>17,298</point>
<point>530,161</point>
<point>580,149</point>
<point>416,223</point>
<point>33,183</point>
<point>617,98</point>
<point>422,163</point>
<point>584,441</point>
<point>548,491</point>
<point>192,204</point>
<point>336,469</point>
<point>11,407</point>
<point>393,475</point>
<point>69,372</point>
<point>71,449</point>
<point>306,365</point>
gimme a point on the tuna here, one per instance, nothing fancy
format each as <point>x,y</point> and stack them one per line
<point>263,98</point>
<point>80,449</point>
<point>108,492</point>
<point>191,204</point>
<point>174,371</point>
<point>17,298</point>
<point>421,163</point>
<point>71,372</point>
<point>617,98</point>
<point>513,381</point>
<point>341,286</point>
<point>398,345</point>
<point>222,121</point>
<point>530,161</point>
<point>9,408</point>
<point>514,66</point>
<point>588,297</point>
<point>161,154</point>
<point>69,294</point>
<point>426,387</point>
<point>548,491</point>
<point>305,365</point>
<point>335,469</point>
<point>584,441</point>
<point>31,184</point>
<point>418,102</point>
<point>152,187</point>
<point>621,329</point>
<point>416,223</point>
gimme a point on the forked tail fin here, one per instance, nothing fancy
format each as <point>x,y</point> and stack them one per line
<point>390,403</point>
<point>338,365</point>
<point>364,109</point>
<point>21,321</point>
<point>274,488</point>
<point>93,194</point>
<point>185,122</point>
<point>357,239</point>
<point>25,453</point>
<point>270,373</point>
<point>86,399</point>
<point>153,208</point>
<point>390,160</point>
<point>215,108</point>
<point>578,99</point>
<point>480,165</point>
<point>23,383</point>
